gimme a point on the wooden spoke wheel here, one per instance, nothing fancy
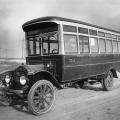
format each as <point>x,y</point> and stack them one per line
<point>41,97</point>
<point>107,82</point>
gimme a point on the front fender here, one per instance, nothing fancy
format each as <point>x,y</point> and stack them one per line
<point>38,72</point>
<point>48,76</point>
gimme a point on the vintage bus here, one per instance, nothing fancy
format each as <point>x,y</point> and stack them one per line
<point>62,51</point>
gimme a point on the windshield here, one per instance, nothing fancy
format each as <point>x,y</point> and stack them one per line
<point>43,43</point>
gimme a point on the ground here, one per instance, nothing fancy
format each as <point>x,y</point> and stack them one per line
<point>90,103</point>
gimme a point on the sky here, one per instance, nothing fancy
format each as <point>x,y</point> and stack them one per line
<point>14,13</point>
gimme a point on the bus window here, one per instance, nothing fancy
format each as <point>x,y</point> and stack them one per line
<point>45,48</point>
<point>37,47</point>
<point>114,36</point>
<point>54,48</point>
<point>102,45</point>
<point>84,44</point>
<point>68,28</point>
<point>108,46</point>
<point>101,34</point>
<point>94,44</point>
<point>31,51</point>
<point>50,43</point>
<point>115,47</point>
<point>93,32</point>
<point>118,37</point>
<point>83,30</point>
<point>107,35</point>
<point>119,46</point>
<point>70,43</point>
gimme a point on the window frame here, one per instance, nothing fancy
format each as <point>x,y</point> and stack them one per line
<point>83,44</point>
<point>108,35</point>
<point>66,34</point>
<point>113,36</point>
<point>66,28</point>
<point>118,47</point>
<point>111,45</point>
<point>83,28</point>
<point>92,30</point>
<point>97,45</point>
<point>101,33</point>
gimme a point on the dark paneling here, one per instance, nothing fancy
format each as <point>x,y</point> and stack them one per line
<point>83,66</point>
<point>71,67</point>
<point>56,60</point>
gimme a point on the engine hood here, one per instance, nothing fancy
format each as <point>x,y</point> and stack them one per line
<point>21,69</point>
<point>30,69</point>
<point>8,69</point>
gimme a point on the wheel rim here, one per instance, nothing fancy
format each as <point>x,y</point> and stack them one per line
<point>42,98</point>
<point>109,80</point>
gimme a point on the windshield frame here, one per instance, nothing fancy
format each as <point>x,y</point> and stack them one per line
<point>39,38</point>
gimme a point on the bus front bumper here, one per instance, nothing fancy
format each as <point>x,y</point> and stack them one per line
<point>11,91</point>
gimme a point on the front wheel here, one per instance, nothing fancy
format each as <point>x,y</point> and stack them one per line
<point>107,83</point>
<point>41,97</point>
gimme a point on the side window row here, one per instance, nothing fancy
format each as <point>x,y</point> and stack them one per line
<point>89,43</point>
<point>68,28</point>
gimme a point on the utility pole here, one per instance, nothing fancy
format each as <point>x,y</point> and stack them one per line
<point>0,53</point>
<point>6,50</point>
<point>22,48</point>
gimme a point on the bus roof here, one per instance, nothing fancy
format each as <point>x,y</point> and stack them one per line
<point>55,18</point>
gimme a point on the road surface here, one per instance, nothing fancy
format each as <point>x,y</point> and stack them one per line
<point>90,103</point>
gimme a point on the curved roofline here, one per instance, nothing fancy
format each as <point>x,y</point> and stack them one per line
<point>55,18</point>
<point>25,25</point>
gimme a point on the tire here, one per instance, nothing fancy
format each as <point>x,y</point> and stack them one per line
<point>107,83</point>
<point>41,97</point>
<point>81,83</point>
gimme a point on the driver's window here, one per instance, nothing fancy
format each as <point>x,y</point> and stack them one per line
<point>50,47</point>
<point>45,47</point>
<point>50,43</point>
<point>53,48</point>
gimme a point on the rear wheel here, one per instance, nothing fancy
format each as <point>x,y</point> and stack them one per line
<point>41,97</point>
<point>81,83</point>
<point>107,82</point>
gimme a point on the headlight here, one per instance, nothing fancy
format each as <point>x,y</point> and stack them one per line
<point>7,78</point>
<point>23,80</point>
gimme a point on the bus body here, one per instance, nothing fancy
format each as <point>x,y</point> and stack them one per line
<point>61,51</point>
<point>94,50</point>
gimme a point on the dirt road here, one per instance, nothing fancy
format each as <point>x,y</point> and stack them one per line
<point>90,103</point>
